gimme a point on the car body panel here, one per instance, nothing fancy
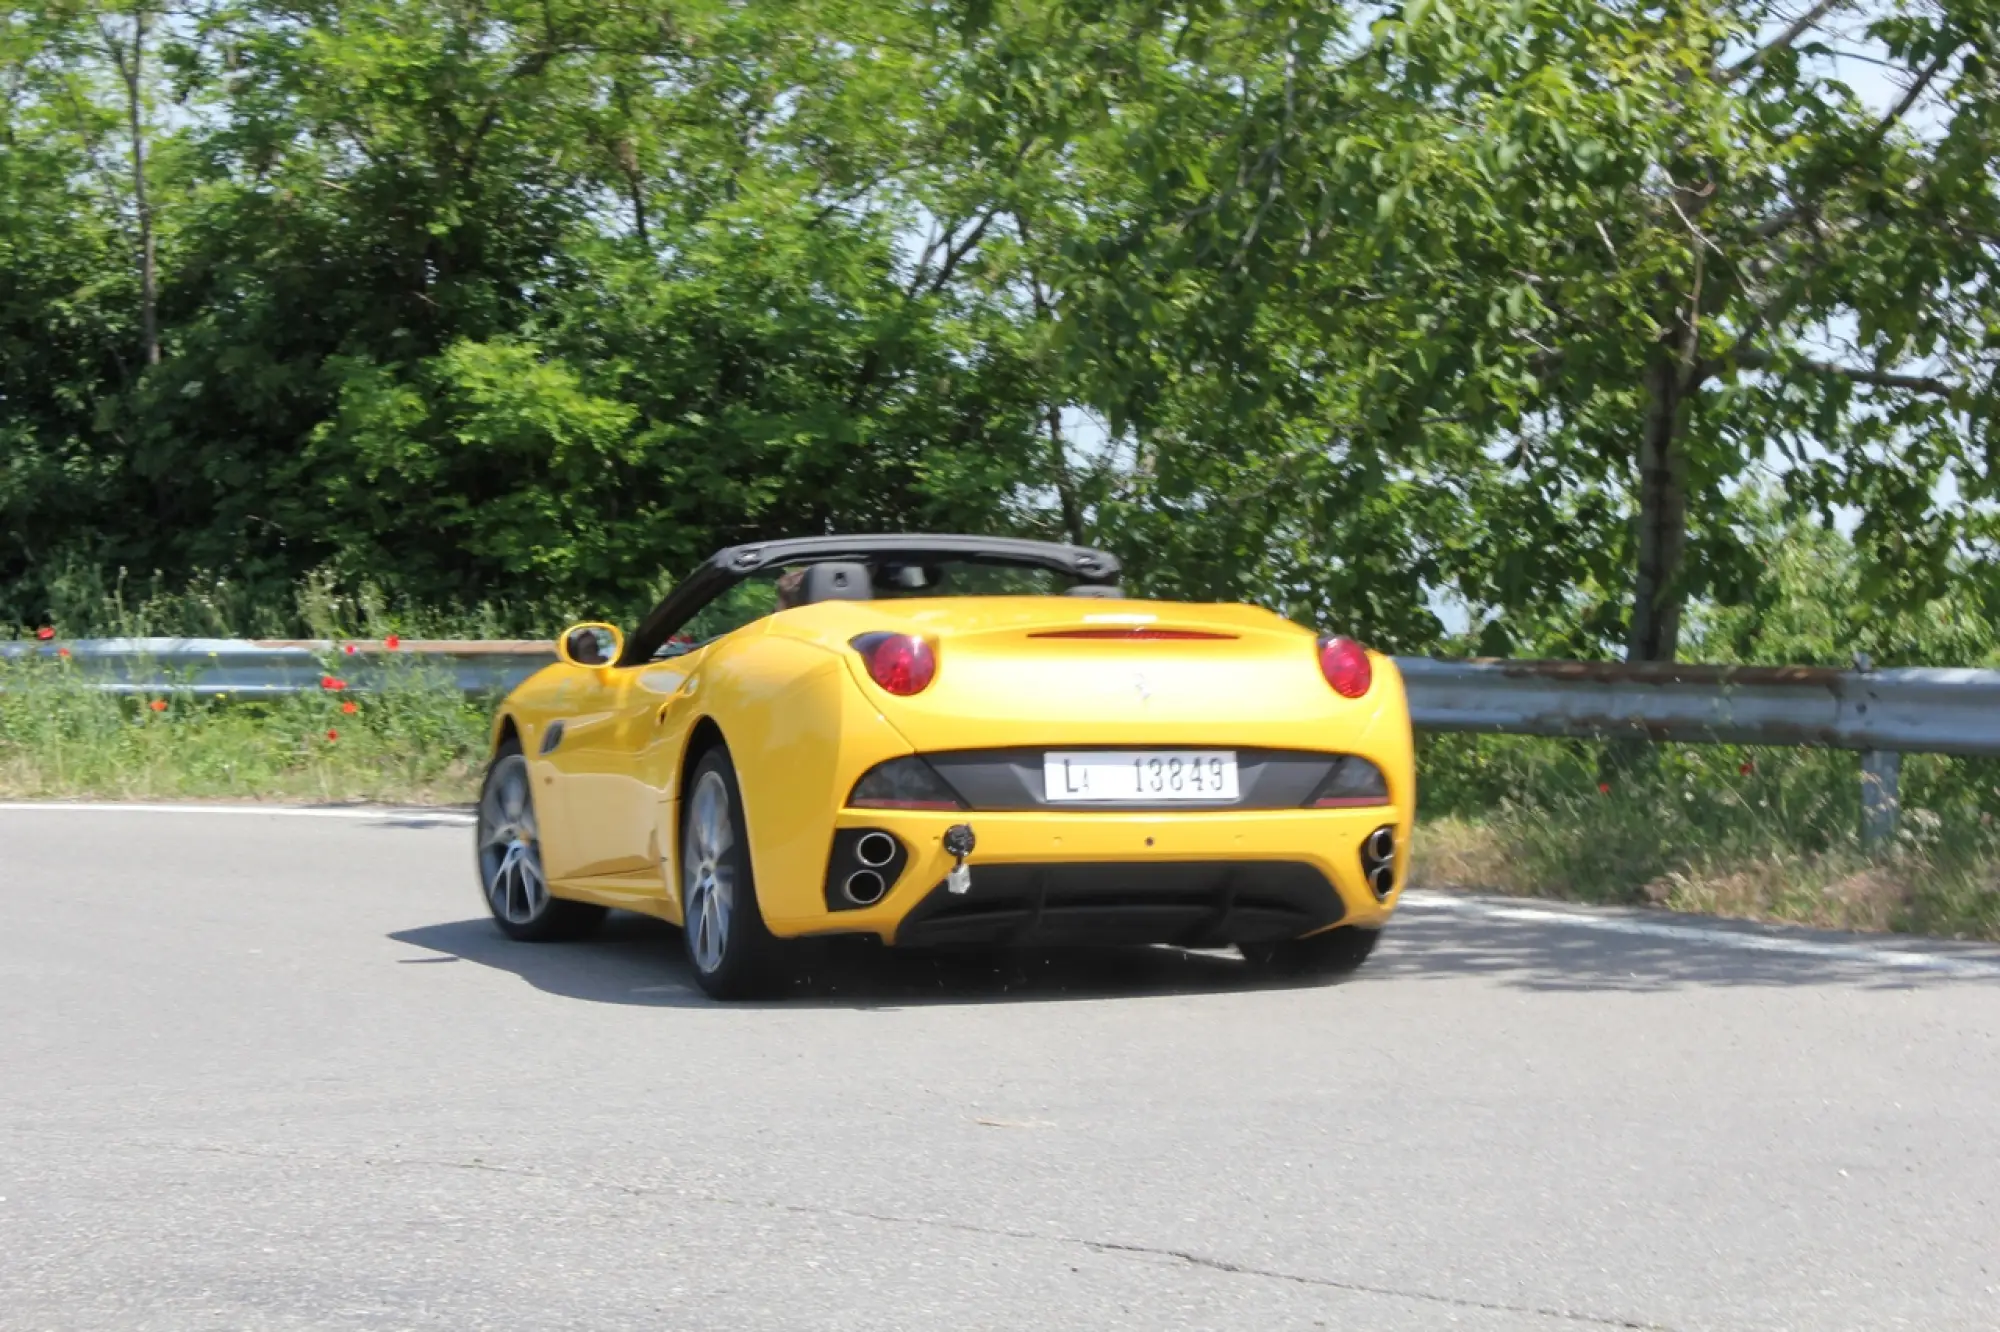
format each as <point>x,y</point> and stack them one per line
<point>803,721</point>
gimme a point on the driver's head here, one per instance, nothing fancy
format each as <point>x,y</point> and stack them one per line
<point>791,586</point>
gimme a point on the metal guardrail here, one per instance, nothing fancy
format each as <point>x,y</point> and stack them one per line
<point>1881,714</point>
<point>252,668</point>
<point>1912,710</point>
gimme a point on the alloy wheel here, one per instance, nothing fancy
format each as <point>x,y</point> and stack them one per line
<point>708,897</point>
<point>510,858</point>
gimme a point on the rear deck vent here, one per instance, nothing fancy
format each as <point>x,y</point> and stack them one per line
<point>1136,632</point>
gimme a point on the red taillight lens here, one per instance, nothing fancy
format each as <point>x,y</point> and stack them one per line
<point>903,664</point>
<point>1344,663</point>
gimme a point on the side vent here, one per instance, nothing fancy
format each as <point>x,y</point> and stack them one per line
<point>552,737</point>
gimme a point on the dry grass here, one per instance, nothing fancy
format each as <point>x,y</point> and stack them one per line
<point>1910,890</point>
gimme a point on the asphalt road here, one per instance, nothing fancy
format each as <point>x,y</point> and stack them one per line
<point>266,1072</point>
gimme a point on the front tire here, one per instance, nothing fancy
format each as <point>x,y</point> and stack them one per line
<point>1328,955</point>
<point>731,951</point>
<point>509,850</point>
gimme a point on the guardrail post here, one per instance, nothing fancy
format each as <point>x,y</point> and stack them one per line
<point>1880,771</point>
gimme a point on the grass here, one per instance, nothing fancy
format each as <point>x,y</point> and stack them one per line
<point>1760,834</point>
<point>416,740</point>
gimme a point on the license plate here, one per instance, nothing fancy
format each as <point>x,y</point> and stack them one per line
<point>1160,774</point>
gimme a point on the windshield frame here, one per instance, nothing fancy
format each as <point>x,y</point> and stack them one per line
<point>726,568</point>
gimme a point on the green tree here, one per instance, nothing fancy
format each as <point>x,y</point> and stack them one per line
<point>80,83</point>
<point>1580,266</point>
<point>551,297</point>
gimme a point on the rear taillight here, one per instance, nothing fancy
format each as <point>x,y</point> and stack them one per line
<point>903,664</point>
<point>1344,663</point>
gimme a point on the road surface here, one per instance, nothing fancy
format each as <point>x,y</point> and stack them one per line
<point>262,1071</point>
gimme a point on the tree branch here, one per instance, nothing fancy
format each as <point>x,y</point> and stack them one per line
<point>1912,93</point>
<point>1779,222</point>
<point>1800,26</point>
<point>955,254</point>
<point>1752,359</point>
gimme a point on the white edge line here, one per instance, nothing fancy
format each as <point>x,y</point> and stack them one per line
<point>1743,940</point>
<point>453,816</point>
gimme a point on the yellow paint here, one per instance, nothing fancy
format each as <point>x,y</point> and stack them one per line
<point>803,722</point>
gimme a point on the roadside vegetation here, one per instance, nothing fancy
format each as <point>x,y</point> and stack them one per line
<point>1725,829</point>
<point>1335,306</point>
<point>415,741</point>
<point>1734,830</point>
<point>1768,834</point>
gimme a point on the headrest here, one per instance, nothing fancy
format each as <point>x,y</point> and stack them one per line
<point>836,581</point>
<point>1096,590</point>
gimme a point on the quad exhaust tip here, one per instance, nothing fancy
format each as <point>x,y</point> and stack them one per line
<point>864,887</point>
<point>1381,845</point>
<point>875,850</point>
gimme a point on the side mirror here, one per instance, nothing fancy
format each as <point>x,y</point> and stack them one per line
<point>590,644</point>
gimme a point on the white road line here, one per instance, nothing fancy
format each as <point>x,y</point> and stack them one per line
<point>377,813</point>
<point>1743,940</point>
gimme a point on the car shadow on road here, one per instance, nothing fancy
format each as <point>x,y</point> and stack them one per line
<point>1561,955</point>
<point>638,960</point>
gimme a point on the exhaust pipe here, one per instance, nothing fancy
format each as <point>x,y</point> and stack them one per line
<point>1378,862</point>
<point>864,887</point>
<point>875,850</point>
<point>1381,845</point>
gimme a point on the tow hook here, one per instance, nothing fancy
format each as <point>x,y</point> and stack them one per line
<point>958,844</point>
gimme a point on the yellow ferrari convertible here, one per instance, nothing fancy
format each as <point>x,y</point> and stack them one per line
<point>950,740</point>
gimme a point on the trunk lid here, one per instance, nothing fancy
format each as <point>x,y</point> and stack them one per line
<point>1068,671</point>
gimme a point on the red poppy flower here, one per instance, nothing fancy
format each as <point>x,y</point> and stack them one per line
<point>392,642</point>
<point>45,633</point>
<point>158,705</point>
<point>62,652</point>
<point>332,734</point>
<point>331,682</point>
<point>350,708</point>
<point>349,649</point>
<point>1604,788</point>
<point>1746,767</point>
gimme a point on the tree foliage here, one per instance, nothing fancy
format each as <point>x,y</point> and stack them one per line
<point>1337,308</point>
<point>1530,291</point>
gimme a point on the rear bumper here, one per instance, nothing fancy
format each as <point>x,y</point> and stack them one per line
<point>1193,903</point>
<point>1201,878</point>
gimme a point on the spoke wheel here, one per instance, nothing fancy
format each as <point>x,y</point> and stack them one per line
<point>508,841</point>
<point>710,875</point>
<point>733,954</point>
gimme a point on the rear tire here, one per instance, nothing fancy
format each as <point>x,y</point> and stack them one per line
<point>732,953</point>
<point>508,850</point>
<point>1328,955</point>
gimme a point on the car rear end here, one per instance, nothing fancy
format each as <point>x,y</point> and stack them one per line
<point>1123,772</point>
